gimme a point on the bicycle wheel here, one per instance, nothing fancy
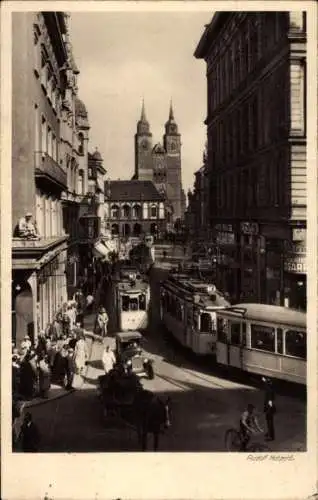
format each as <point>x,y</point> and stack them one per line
<point>232,440</point>
<point>259,448</point>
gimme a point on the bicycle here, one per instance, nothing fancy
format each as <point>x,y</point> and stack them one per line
<point>233,442</point>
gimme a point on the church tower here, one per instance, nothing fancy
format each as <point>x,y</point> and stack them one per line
<point>143,149</point>
<point>172,146</point>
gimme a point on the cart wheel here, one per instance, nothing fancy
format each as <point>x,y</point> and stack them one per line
<point>232,440</point>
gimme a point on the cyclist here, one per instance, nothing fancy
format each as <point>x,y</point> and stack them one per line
<point>248,425</point>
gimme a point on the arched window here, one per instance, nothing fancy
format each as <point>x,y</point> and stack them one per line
<point>136,211</point>
<point>115,229</point>
<point>114,212</point>
<point>153,211</point>
<point>126,211</point>
<point>81,143</point>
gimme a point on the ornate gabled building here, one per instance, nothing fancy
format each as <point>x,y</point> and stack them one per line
<point>161,164</point>
<point>133,208</point>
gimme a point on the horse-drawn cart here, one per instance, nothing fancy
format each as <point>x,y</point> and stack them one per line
<point>125,403</point>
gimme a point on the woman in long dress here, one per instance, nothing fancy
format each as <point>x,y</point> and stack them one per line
<point>80,354</point>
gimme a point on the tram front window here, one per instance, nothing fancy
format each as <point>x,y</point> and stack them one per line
<point>129,303</point>
<point>295,344</point>
<point>263,337</point>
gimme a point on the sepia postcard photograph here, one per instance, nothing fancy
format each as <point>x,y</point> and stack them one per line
<point>159,239</point>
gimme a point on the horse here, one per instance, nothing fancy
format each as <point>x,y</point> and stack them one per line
<point>145,411</point>
<point>153,415</point>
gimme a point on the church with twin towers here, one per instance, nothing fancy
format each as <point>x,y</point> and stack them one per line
<point>161,163</point>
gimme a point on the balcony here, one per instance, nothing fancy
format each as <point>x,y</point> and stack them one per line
<point>49,171</point>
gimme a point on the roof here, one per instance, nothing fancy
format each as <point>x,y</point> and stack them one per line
<point>80,108</point>
<point>210,33</point>
<point>129,335</point>
<point>269,312</point>
<point>97,156</point>
<point>133,190</point>
<point>158,149</point>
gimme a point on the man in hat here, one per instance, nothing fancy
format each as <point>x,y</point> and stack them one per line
<point>269,408</point>
<point>27,228</point>
<point>102,322</point>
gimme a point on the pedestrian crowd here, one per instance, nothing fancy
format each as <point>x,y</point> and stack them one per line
<point>48,360</point>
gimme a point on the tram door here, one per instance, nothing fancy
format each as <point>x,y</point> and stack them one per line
<point>235,349</point>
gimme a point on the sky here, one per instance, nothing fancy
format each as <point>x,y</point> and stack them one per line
<point>124,57</point>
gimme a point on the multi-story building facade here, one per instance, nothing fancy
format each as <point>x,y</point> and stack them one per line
<point>197,211</point>
<point>45,167</point>
<point>133,208</point>
<point>256,128</point>
<point>161,164</point>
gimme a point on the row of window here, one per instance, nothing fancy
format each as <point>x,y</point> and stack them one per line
<point>48,142</point>
<point>260,185</point>
<point>134,212</point>
<point>261,120</point>
<point>43,68</point>
<point>258,34</point>
<point>49,217</point>
<point>289,342</point>
<point>201,322</point>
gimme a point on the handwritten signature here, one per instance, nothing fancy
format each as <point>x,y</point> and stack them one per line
<point>274,458</point>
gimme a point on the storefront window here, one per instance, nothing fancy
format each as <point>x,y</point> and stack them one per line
<point>235,333</point>
<point>295,344</point>
<point>263,337</point>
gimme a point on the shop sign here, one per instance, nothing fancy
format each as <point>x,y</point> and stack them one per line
<point>295,264</point>
<point>299,234</point>
<point>298,247</point>
<point>225,238</point>
<point>227,228</point>
<point>249,228</point>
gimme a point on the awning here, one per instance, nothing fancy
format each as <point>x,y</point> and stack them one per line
<point>100,250</point>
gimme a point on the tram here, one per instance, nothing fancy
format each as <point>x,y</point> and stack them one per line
<point>131,295</point>
<point>263,339</point>
<point>188,311</point>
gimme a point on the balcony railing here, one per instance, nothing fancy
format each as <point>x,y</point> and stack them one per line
<point>49,169</point>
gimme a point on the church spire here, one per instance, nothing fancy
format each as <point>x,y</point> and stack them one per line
<point>171,115</point>
<point>143,127</point>
<point>171,125</point>
<point>143,112</point>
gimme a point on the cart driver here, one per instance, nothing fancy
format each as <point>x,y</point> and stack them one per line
<point>248,425</point>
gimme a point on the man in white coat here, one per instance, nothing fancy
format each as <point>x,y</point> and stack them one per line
<point>108,359</point>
